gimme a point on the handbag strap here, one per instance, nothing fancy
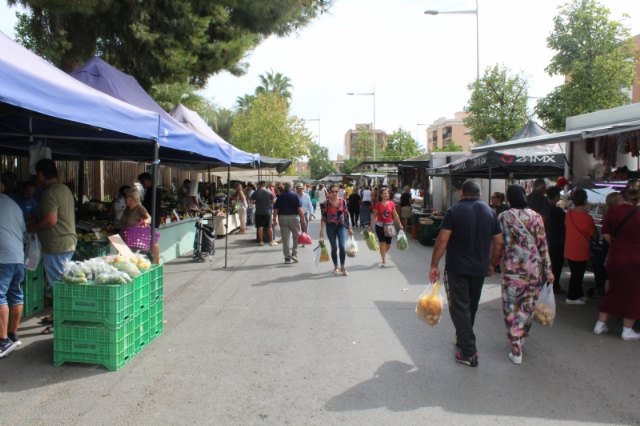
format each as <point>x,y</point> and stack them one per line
<point>579,230</point>
<point>524,226</point>
<point>626,218</point>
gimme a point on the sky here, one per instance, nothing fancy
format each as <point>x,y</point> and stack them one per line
<point>418,65</point>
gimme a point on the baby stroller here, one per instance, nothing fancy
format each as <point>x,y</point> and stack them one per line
<point>204,242</point>
<point>365,216</point>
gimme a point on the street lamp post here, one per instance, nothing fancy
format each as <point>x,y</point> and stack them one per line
<point>426,144</point>
<point>314,119</point>
<point>375,136</point>
<point>465,12</point>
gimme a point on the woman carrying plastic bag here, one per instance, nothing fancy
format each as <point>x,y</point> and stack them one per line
<point>335,218</point>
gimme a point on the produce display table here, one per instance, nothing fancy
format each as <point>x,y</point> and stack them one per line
<point>107,324</point>
<point>220,221</point>
<point>176,239</point>
<point>427,233</point>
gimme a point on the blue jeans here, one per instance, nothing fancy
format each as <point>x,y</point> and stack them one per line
<point>54,266</point>
<point>11,275</point>
<point>337,235</point>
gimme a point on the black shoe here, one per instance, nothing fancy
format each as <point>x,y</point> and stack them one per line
<point>6,348</point>
<point>287,260</point>
<point>472,361</point>
<point>15,339</point>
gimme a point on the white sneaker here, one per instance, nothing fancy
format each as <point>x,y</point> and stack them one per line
<point>575,302</point>
<point>600,328</point>
<point>273,243</point>
<point>630,334</point>
<point>516,359</point>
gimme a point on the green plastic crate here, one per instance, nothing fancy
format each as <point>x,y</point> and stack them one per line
<point>141,291</point>
<point>110,305</point>
<point>156,320</point>
<point>142,331</point>
<point>156,284</point>
<point>88,250</point>
<point>33,291</point>
<point>93,343</point>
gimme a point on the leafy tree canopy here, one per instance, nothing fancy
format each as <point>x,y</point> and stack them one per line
<point>349,166</point>
<point>275,83</point>
<point>266,128</point>
<point>159,41</point>
<point>595,54</point>
<point>319,163</point>
<point>498,105</point>
<point>401,145</point>
<point>450,147</point>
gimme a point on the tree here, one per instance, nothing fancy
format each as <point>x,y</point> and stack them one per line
<point>275,83</point>
<point>243,103</point>
<point>319,163</point>
<point>596,56</point>
<point>498,105</point>
<point>266,128</point>
<point>349,166</point>
<point>401,145</point>
<point>362,144</point>
<point>450,147</point>
<point>159,41</point>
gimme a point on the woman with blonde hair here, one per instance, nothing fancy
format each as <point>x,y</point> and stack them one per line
<point>241,202</point>
<point>622,229</point>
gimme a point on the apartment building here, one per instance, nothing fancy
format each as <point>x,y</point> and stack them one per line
<point>445,131</point>
<point>351,138</point>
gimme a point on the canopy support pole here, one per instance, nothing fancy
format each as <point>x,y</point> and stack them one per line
<point>226,225</point>
<point>154,177</point>
<point>490,177</point>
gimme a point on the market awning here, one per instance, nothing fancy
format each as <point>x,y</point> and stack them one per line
<point>39,102</point>
<point>563,137</point>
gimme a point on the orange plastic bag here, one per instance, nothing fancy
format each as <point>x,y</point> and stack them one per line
<point>429,307</point>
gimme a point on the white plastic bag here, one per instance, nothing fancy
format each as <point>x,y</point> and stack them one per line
<point>402,243</point>
<point>33,253</point>
<point>545,308</point>
<point>430,305</point>
<point>352,247</point>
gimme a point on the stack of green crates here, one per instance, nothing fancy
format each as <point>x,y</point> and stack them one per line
<point>33,291</point>
<point>107,324</point>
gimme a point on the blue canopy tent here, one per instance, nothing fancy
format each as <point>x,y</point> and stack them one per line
<point>39,102</point>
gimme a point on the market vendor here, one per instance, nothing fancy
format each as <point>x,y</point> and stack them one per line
<point>136,215</point>
<point>147,183</point>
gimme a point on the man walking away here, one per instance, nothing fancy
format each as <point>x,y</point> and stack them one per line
<point>466,233</point>
<point>12,233</point>
<point>263,199</point>
<point>288,211</point>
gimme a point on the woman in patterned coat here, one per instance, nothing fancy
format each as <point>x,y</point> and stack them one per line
<point>525,267</point>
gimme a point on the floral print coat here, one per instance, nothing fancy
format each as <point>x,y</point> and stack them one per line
<point>525,257</point>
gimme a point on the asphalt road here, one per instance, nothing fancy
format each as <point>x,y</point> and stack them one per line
<point>261,342</point>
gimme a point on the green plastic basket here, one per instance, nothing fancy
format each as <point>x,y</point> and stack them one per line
<point>156,284</point>
<point>142,330</point>
<point>141,292</point>
<point>33,291</point>
<point>110,305</point>
<point>156,320</point>
<point>93,343</point>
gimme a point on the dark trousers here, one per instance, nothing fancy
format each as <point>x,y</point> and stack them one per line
<point>463,293</point>
<point>577,269</point>
<point>354,214</point>
<point>556,254</point>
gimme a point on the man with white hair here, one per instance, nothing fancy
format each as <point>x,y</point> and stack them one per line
<point>288,212</point>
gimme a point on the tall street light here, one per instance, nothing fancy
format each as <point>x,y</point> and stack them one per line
<point>426,144</point>
<point>314,119</point>
<point>465,12</point>
<point>375,136</point>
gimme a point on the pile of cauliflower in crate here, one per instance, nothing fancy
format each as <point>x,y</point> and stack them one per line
<point>105,270</point>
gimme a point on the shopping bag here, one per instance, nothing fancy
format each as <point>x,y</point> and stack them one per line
<point>389,230</point>
<point>352,247</point>
<point>33,253</point>
<point>304,239</point>
<point>545,308</point>
<point>324,251</point>
<point>371,240</point>
<point>402,242</point>
<point>429,306</point>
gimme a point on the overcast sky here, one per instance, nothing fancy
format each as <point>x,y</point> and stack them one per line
<point>418,65</point>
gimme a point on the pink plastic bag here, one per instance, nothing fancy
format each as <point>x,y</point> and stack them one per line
<point>304,239</point>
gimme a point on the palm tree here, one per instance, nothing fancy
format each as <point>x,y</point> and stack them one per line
<point>276,83</point>
<point>243,103</point>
